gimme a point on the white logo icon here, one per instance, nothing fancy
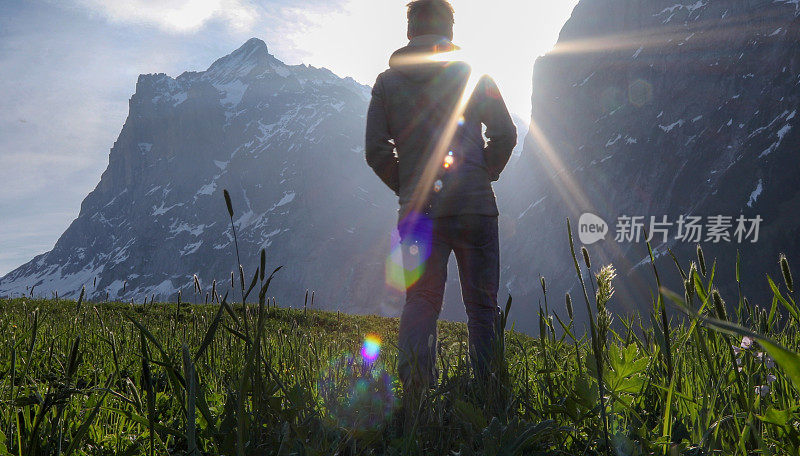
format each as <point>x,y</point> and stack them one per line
<point>591,228</point>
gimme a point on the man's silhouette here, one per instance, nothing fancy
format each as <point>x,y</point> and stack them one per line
<point>424,140</point>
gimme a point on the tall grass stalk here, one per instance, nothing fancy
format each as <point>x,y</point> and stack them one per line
<point>598,356</point>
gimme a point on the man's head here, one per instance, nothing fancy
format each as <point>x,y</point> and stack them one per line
<point>430,17</point>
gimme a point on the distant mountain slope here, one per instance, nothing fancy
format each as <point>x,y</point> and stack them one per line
<point>286,141</point>
<point>659,108</point>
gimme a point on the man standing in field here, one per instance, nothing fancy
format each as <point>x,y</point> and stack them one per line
<point>424,140</point>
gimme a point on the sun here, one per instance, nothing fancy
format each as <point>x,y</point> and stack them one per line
<point>502,39</point>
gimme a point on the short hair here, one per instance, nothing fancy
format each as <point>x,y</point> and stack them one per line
<point>430,17</point>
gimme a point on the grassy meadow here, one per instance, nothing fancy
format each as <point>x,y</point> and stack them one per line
<point>91,378</point>
<point>175,378</point>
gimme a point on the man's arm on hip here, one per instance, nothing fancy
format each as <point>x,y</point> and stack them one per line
<point>379,149</point>
<point>501,133</point>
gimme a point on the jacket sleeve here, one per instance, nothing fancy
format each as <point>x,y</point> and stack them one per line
<point>501,133</point>
<point>378,148</point>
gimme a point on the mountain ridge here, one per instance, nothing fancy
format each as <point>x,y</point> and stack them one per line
<point>247,112</point>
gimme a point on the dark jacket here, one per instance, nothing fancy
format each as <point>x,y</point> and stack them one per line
<point>415,110</point>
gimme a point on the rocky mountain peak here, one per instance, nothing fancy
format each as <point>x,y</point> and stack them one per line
<point>251,57</point>
<point>252,45</point>
<point>285,140</point>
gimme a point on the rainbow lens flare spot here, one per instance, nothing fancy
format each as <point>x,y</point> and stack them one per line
<point>410,249</point>
<point>448,161</point>
<point>461,121</point>
<point>399,277</point>
<point>437,186</point>
<point>371,348</point>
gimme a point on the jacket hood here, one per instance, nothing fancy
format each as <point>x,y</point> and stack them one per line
<point>415,59</point>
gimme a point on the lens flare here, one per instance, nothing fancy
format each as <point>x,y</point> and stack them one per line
<point>431,169</point>
<point>640,92</point>
<point>399,277</point>
<point>371,348</point>
<point>410,249</point>
<point>357,395</point>
<point>449,160</point>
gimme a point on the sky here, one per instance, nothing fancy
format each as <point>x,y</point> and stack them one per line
<point>69,67</point>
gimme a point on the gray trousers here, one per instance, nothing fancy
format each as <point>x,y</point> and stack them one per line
<point>427,244</point>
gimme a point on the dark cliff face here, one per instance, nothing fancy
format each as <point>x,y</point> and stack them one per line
<point>286,141</point>
<point>659,108</point>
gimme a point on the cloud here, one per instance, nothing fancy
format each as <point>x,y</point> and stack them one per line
<point>180,16</point>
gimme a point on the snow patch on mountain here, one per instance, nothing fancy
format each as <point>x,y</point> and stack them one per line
<point>668,128</point>
<point>756,193</point>
<point>287,198</point>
